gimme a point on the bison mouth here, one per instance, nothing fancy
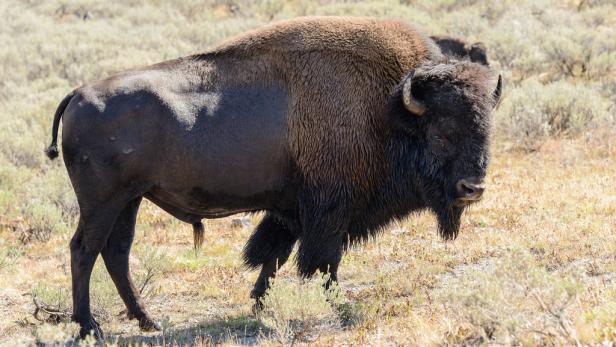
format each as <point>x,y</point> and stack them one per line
<point>463,202</point>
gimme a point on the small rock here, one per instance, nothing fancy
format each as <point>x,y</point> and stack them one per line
<point>243,222</point>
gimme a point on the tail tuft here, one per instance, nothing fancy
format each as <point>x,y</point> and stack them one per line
<point>52,151</point>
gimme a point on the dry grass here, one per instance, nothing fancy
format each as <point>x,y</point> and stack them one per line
<point>535,263</point>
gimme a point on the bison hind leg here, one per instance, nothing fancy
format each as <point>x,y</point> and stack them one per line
<point>116,257</point>
<point>95,224</point>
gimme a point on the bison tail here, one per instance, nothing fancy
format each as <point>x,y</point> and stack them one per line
<point>198,232</point>
<point>52,151</point>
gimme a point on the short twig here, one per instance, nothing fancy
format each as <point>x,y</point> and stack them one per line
<point>148,278</point>
<point>559,317</point>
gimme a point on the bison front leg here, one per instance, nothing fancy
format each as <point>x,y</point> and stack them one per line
<point>321,243</point>
<point>116,257</point>
<point>321,253</point>
<point>269,246</point>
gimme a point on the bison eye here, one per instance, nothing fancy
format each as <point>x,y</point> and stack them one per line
<point>444,144</point>
<point>441,140</point>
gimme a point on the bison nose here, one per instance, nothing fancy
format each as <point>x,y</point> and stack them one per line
<point>469,190</point>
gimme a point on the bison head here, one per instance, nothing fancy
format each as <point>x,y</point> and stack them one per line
<point>445,110</point>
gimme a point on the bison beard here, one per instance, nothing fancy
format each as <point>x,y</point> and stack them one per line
<point>448,215</point>
<point>449,222</point>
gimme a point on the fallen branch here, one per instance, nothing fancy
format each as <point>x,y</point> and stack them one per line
<point>50,314</point>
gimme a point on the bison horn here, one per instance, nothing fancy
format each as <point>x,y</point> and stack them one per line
<point>496,95</point>
<point>413,105</point>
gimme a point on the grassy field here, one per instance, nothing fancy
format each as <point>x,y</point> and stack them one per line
<point>535,263</point>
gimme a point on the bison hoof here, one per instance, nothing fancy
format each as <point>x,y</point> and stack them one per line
<point>258,296</point>
<point>91,327</point>
<point>147,324</point>
<point>257,307</point>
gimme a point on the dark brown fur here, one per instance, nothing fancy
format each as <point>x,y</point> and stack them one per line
<point>459,49</point>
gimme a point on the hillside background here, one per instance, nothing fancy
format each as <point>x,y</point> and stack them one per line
<point>535,263</point>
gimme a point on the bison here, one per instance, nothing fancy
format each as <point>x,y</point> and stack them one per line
<point>458,49</point>
<point>333,126</point>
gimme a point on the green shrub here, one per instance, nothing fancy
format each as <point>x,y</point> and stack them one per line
<point>153,263</point>
<point>531,112</point>
<point>6,259</point>
<point>43,218</point>
<point>7,199</point>
<point>57,335</point>
<point>296,311</point>
<point>49,206</point>
<point>53,296</point>
<point>13,181</point>
<point>577,52</point>
<point>512,301</point>
<point>19,144</point>
<point>56,188</point>
<point>104,296</point>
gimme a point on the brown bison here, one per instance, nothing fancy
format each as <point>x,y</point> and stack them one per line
<point>458,49</point>
<point>333,126</point>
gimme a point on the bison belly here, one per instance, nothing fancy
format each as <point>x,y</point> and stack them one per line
<point>232,157</point>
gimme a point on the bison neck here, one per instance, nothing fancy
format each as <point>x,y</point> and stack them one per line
<point>400,193</point>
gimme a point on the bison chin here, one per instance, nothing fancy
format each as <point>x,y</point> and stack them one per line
<point>449,221</point>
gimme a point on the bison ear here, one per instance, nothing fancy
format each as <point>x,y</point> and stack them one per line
<point>496,95</point>
<point>413,105</point>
